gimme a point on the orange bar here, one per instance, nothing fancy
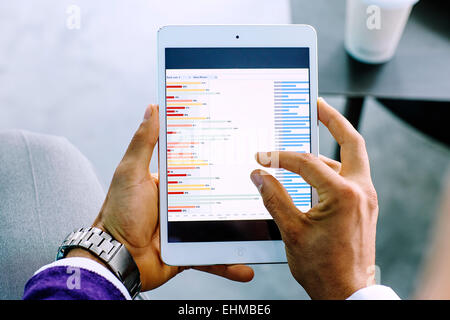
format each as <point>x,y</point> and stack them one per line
<point>180,157</point>
<point>176,168</point>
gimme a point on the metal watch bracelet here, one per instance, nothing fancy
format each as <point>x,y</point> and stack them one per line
<point>113,253</point>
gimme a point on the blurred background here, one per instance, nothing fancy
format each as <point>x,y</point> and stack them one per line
<point>91,85</point>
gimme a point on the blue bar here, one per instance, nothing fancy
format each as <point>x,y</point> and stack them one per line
<point>293,103</point>
<point>300,194</point>
<point>292,127</point>
<point>290,89</point>
<point>287,173</point>
<point>292,92</point>
<point>285,180</point>
<point>292,134</point>
<point>285,86</point>
<point>285,131</point>
<point>285,114</point>
<point>296,139</point>
<point>290,99</point>
<point>290,117</point>
<point>290,122</point>
<point>290,145</point>
<point>291,81</point>
<point>290,107</point>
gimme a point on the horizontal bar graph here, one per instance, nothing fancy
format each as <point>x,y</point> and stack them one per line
<point>292,134</point>
<point>204,115</point>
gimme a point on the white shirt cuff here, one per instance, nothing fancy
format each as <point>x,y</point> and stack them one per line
<point>90,265</point>
<point>374,292</point>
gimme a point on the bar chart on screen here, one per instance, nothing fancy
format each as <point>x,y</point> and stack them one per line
<point>217,119</point>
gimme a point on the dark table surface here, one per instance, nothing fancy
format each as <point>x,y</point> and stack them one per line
<point>420,69</point>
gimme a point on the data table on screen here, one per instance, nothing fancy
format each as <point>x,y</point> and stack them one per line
<point>217,119</point>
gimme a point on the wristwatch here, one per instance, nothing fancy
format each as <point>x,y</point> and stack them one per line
<point>113,253</point>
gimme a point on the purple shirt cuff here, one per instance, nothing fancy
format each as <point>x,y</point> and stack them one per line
<point>75,279</point>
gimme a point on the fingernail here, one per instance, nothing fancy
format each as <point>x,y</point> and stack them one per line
<point>264,158</point>
<point>148,112</point>
<point>257,179</point>
<point>321,99</point>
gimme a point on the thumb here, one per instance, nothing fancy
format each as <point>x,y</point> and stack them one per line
<point>276,199</point>
<point>140,149</point>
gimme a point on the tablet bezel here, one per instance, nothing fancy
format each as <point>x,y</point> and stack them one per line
<point>198,36</point>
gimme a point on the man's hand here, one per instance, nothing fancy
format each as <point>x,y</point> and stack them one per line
<point>130,211</point>
<point>330,248</point>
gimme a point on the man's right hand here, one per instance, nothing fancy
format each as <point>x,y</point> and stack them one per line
<point>331,248</point>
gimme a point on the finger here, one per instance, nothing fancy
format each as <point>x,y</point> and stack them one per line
<point>310,167</point>
<point>238,272</point>
<point>276,199</point>
<point>353,150</point>
<point>333,164</point>
<point>140,149</point>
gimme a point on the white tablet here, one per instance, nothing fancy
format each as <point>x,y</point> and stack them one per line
<point>226,92</point>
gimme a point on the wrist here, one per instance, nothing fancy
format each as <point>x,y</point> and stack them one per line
<point>83,253</point>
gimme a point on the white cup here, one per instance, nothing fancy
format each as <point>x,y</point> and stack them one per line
<point>374,28</point>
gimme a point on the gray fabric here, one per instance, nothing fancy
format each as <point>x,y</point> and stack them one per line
<point>47,189</point>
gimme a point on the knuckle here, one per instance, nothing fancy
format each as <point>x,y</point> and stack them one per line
<point>303,158</point>
<point>360,141</point>
<point>372,198</point>
<point>350,192</point>
<point>308,156</point>
<point>123,171</point>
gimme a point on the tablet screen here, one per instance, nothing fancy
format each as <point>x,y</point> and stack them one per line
<point>223,105</point>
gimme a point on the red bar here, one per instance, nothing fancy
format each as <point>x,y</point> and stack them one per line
<point>176,210</point>
<point>170,97</point>
<point>171,132</point>
<point>177,175</point>
<point>171,108</point>
<point>172,181</point>
<point>171,111</point>
<point>176,115</point>
<point>174,86</point>
<point>178,192</point>
<point>181,101</point>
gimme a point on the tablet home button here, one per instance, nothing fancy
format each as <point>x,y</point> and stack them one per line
<point>240,251</point>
